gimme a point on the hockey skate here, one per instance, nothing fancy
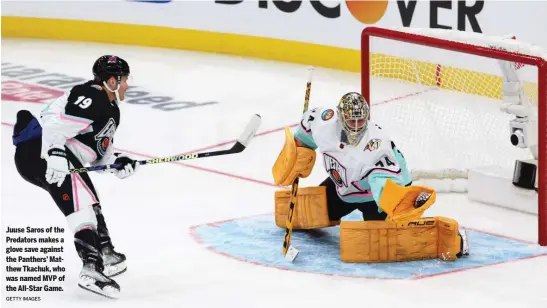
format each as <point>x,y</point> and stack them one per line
<point>114,262</point>
<point>464,245</point>
<point>93,280</point>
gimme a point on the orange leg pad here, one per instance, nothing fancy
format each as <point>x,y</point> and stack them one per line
<point>383,241</point>
<point>310,211</point>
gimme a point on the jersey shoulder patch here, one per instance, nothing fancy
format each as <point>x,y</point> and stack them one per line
<point>317,116</point>
<point>373,144</point>
<point>327,114</point>
<point>378,139</point>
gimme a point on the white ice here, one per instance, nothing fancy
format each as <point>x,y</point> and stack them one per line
<point>149,215</point>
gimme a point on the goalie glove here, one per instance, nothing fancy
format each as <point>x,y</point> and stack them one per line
<point>405,203</point>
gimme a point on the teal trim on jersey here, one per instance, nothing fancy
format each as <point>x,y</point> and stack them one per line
<point>46,108</point>
<point>304,138</point>
<point>377,180</point>
<point>88,130</point>
<point>407,177</point>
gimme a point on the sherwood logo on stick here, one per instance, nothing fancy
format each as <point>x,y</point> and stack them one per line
<point>371,12</point>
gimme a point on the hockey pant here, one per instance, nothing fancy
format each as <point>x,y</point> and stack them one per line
<point>338,208</point>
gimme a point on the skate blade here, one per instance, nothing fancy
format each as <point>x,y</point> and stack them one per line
<point>111,295</point>
<point>115,269</point>
<point>108,291</point>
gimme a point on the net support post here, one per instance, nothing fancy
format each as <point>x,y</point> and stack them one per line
<point>542,161</point>
<point>365,67</point>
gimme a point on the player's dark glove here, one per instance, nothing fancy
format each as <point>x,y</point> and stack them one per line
<point>128,166</point>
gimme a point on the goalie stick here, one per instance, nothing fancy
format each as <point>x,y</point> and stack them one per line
<point>289,251</point>
<point>240,145</point>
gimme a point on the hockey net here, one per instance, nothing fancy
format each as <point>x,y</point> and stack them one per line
<point>438,93</point>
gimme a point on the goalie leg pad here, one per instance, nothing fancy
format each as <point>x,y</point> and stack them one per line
<point>293,161</point>
<point>405,203</point>
<point>381,241</point>
<point>310,211</point>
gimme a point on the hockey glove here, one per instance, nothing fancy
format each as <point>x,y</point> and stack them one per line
<point>57,166</point>
<point>128,166</point>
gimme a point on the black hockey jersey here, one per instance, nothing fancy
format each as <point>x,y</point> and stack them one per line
<point>84,120</point>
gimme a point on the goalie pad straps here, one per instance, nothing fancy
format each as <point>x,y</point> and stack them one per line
<point>380,241</point>
<point>311,212</point>
<point>292,162</point>
<point>399,202</point>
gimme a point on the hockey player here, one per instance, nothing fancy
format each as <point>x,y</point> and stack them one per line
<point>73,131</point>
<point>367,172</point>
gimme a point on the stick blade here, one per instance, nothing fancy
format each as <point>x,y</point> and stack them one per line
<point>250,130</point>
<point>292,253</point>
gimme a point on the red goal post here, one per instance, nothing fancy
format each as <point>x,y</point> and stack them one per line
<point>465,47</point>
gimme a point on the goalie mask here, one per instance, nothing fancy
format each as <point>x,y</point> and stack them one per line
<point>353,112</point>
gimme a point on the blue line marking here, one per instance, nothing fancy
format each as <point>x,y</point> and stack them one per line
<point>257,239</point>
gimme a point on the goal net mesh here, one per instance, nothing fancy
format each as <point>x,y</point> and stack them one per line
<point>442,108</point>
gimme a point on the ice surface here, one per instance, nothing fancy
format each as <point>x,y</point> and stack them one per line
<point>151,214</point>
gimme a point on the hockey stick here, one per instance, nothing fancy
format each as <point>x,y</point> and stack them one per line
<point>242,143</point>
<point>290,252</point>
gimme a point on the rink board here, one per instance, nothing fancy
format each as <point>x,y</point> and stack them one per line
<point>258,240</point>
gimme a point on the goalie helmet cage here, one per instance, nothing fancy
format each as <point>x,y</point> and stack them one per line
<point>372,66</point>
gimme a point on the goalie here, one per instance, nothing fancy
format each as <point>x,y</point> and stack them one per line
<point>367,172</point>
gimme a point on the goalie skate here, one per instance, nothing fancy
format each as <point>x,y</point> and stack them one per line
<point>91,279</point>
<point>114,262</point>
<point>464,243</point>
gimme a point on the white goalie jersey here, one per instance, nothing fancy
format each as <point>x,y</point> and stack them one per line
<point>361,171</point>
